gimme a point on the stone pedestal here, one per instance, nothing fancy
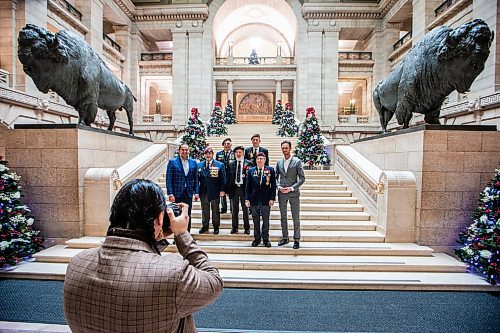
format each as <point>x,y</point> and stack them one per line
<point>452,164</point>
<point>52,161</point>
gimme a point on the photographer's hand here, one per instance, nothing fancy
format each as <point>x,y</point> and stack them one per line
<point>171,198</point>
<point>179,224</point>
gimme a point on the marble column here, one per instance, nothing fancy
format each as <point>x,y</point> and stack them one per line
<point>179,77</point>
<point>330,77</point>
<point>8,42</point>
<point>423,14</point>
<point>315,64</point>
<point>385,38</point>
<point>92,14</point>
<point>278,90</point>
<point>194,81</point>
<point>230,91</point>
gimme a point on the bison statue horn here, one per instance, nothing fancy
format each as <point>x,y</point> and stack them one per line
<point>66,64</point>
<point>443,61</point>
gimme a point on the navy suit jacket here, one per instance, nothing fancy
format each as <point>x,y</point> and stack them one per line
<point>231,176</point>
<point>260,193</point>
<point>210,184</point>
<point>250,156</point>
<point>177,181</point>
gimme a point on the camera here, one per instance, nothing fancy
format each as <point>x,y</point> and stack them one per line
<point>166,220</point>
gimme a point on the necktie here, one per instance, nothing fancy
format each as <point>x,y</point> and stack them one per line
<point>238,173</point>
<point>255,153</point>
<point>206,165</point>
<point>260,176</point>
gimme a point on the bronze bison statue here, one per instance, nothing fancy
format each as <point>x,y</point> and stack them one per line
<point>443,61</point>
<point>66,64</point>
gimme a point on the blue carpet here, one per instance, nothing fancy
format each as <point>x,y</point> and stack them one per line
<point>275,310</point>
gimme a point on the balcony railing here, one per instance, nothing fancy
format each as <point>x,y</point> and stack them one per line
<point>403,40</point>
<point>260,60</point>
<point>112,43</point>
<point>444,6</point>
<point>355,55</point>
<point>156,56</point>
<point>69,7</point>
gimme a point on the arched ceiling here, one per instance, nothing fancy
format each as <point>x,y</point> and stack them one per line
<point>272,20</point>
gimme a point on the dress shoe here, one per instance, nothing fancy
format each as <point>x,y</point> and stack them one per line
<point>296,245</point>
<point>267,243</point>
<point>247,231</point>
<point>255,242</point>
<point>223,211</point>
<point>283,242</point>
<point>234,231</point>
<point>216,231</point>
<point>203,230</point>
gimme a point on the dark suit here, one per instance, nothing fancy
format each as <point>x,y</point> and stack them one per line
<point>249,155</point>
<point>224,158</point>
<point>260,192</point>
<point>237,192</point>
<point>180,185</point>
<point>212,181</point>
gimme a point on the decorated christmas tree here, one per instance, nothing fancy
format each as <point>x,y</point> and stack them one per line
<point>253,60</point>
<point>288,126</point>
<point>216,124</point>
<point>481,241</point>
<point>195,136</point>
<point>229,117</point>
<point>18,238</point>
<point>310,146</point>
<point>278,113</point>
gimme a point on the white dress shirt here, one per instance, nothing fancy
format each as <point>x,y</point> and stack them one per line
<point>185,165</point>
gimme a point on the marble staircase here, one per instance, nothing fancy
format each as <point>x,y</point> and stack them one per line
<point>340,245</point>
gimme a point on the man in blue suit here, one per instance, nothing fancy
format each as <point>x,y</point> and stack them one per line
<point>260,193</point>
<point>182,179</point>
<point>212,179</point>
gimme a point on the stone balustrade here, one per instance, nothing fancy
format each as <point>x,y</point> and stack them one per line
<point>390,196</point>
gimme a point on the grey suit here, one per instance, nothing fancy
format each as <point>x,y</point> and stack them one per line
<point>293,177</point>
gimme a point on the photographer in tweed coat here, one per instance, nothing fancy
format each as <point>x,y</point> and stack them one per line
<point>126,285</point>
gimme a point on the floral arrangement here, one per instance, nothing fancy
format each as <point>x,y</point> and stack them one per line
<point>18,239</point>
<point>481,242</point>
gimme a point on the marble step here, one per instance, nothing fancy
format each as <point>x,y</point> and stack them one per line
<point>319,173</point>
<point>313,181</point>
<point>324,193</point>
<point>369,236</point>
<point>309,248</point>
<point>331,215</point>
<point>226,223</point>
<point>313,225</point>
<point>320,280</point>
<point>306,207</point>
<point>438,262</point>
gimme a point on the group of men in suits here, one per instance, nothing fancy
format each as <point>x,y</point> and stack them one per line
<point>246,177</point>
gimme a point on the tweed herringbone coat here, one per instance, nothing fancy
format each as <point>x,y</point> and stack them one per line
<point>123,286</point>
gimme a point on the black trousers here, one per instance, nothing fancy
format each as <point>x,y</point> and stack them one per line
<point>223,204</point>
<point>257,212</point>
<point>236,201</point>
<point>187,199</point>
<point>206,207</point>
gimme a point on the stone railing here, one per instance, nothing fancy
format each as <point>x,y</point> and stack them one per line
<point>261,61</point>
<point>156,56</point>
<point>444,6</point>
<point>389,196</point>
<point>111,43</point>
<point>403,40</point>
<point>156,118</point>
<point>471,106</point>
<point>355,55</point>
<point>353,119</point>
<point>70,9</point>
<point>102,184</point>
<point>4,78</point>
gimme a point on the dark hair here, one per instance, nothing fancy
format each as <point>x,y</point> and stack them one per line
<point>239,148</point>
<point>286,141</point>
<point>261,154</point>
<point>226,139</point>
<point>255,135</point>
<point>182,144</point>
<point>136,206</point>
